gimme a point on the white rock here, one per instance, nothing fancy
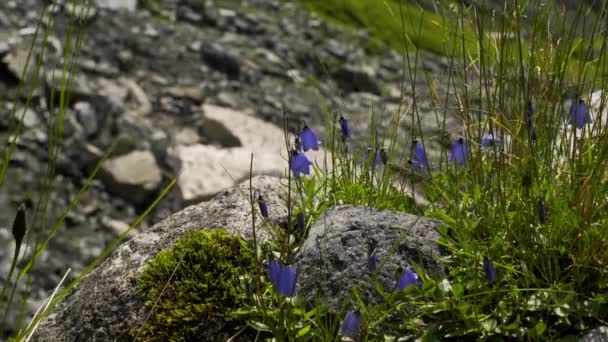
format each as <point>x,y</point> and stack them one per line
<point>133,176</point>
<point>128,5</point>
<point>204,170</point>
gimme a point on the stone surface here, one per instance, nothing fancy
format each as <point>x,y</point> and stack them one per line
<point>133,176</point>
<point>147,83</point>
<point>204,170</point>
<point>599,334</point>
<point>127,5</point>
<point>334,257</point>
<point>105,305</point>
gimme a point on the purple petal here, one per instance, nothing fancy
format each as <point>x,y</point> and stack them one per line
<point>458,152</point>
<point>488,141</point>
<point>287,282</point>
<point>529,114</point>
<point>378,159</point>
<point>300,222</point>
<point>274,270</point>
<point>489,267</point>
<point>309,139</point>
<point>263,207</point>
<point>542,212</point>
<point>419,159</point>
<point>344,129</point>
<point>350,325</point>
<point>409,277</point>
<point>300,164</point>
<point>372,263</point>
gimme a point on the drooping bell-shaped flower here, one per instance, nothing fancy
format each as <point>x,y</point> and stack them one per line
<point>579,115</point>
<point>542,212</point>
<point>300,222</point>
<point>283,278</point>
<point>373,157</point>
<point>458,152</point>
<point>488,142</point>
<point>407,278</point>
<point>489,268</point>
<point>372,263</point>
<point>287,282</point>
<point>467,3</point>
<point>344,129</point>
<point>309,139</point>
<point>529,114</point>
<point>274,271</point>
<point>379,157</point>
<point>418,159</point>
<point>383,156</point>
<point>299,163</point>
<point>350,325</point>
<point>263,206</point>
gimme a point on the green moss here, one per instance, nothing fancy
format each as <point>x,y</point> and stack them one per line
<point>198,300</point>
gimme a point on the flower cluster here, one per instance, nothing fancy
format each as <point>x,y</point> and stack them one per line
<point>299,163</point>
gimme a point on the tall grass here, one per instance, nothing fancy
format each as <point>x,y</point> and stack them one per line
<point>532,203</point>
<point>38,233</point>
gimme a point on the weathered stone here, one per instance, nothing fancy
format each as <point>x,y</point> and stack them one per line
<point>355,79</point>
<point>122,5</point>
<point>85,113</point>
<point>335,255</point>
<point>204,170</point>
<point>599,334</point>
<point>105,305</point>
<point>134,176</point>
<point>221,60</point>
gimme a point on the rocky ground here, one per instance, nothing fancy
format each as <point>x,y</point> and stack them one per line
<point>186,89</point>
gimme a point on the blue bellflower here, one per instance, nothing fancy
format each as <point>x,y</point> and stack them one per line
<point>372,263</point>
<point>489,268</point>
<point>579,114</point>
<point>542,212</point>
<point>350,325</point>
<point>377,155</point>
<point>419,160</point>
<point>407,278</point>
<point>283,278</point>
<point>344,129</point>
<point>274,271</point>
<point>299,163</point>
<point>300,222</point>
<point>529,114</point>
<point>309,139</point>
<point>488,142</point>
<point>458,152</point>
<point>263,206</point>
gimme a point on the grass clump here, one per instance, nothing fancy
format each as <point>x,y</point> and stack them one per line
<point>193,288</point>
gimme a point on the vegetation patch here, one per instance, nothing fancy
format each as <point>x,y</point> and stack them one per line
<point>193,288</point>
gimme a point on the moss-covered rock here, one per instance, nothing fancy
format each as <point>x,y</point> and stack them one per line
<point>193,288</point>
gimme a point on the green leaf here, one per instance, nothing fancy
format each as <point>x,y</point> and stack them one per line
<point>513,325</point>
<point>303,331</point>
<point>539,328</point>
<point>458,290</point>
<point>258,326</point>
<point>489,324</point>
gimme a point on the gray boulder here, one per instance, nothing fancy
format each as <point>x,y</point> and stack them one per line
<point>106,305</point>
<point>134,176</point>
<point>335,256</point>
<point>599,334</point>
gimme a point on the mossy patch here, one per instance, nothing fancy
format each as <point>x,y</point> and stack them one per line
<point>194,299</point>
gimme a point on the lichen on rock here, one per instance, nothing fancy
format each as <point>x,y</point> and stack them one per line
<point>194,287</point>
